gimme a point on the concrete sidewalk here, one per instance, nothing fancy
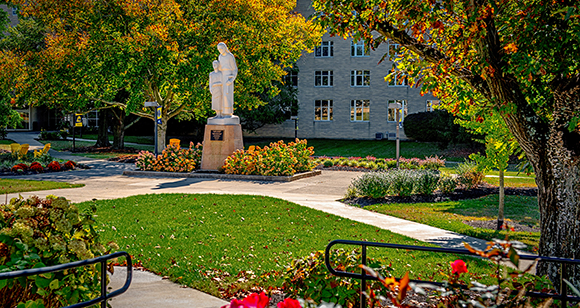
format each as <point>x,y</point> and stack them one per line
<point>104,181</point>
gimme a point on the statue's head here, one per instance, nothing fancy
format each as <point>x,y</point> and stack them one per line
<point>216,65</point>
<point>223,49</point>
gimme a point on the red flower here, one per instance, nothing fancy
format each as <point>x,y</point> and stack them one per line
<point>289,303</point>
<point>251,301</point>
<point>459,267</point>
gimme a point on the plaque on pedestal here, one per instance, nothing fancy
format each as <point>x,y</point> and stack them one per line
<point>219,142</point>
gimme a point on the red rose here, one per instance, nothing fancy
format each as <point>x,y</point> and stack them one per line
<point>251,301</point>
<point>289,303</point>
<point>459,267</point>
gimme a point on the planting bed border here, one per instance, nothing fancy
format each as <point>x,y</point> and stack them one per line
<point>224,176</point>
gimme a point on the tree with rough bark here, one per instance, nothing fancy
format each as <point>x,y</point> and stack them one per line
<point>161,51</point>
<point>521,57</point>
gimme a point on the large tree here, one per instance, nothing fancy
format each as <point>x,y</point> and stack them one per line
<point>161,51</point>
<point>522,57</point>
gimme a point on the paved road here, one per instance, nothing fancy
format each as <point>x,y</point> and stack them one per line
<point>104,181</point>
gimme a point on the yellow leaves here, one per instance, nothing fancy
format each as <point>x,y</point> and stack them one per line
<point>510,48</point>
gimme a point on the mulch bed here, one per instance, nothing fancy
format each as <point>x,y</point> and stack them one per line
<point>459,194</point>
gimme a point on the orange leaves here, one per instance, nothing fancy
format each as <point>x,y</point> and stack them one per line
<point>510,48</point>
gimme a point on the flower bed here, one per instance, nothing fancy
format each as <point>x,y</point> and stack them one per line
<point>31,162</point>
<point>172,159</point>
<point>274,160</point>
<point>373,163</point>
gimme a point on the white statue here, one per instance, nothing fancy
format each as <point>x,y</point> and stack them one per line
<point>226,72</point>
<point>216,89</point>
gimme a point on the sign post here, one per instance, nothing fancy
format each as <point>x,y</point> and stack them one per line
<point>78,122</point>
<point>157,122</point>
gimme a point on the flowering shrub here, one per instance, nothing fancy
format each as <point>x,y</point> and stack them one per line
<point>54,166</point>
<point>276,159</point>
<point>172,159</point>
<point>20,167</point>
<point>38,232</point>
<point>373,163</point>
<point>256,300</point>
<point>70,164</point>
<point>36,166</point>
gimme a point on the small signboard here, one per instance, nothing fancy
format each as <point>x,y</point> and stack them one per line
<point>217,135</point>
<point>78,120</point>
<point>158,114</point>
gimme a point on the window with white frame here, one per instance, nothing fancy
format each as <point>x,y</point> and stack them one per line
<point>360,110</point>
<point>397,79</point>
<point>360,78</point>
<point>92,118</point>
<point>357,49</point>
<point>325,50</point>
<point>323,110</point>
<point>323,79</point>
<point>429,104</point>
<point>393,51</point>
<point>395,106</point>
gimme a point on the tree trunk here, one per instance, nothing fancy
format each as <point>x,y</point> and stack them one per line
<point>500,213</point>
<point>118,129</point>
<point>103,134</point>
<point>558,179</point>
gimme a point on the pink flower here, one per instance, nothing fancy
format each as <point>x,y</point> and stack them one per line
<point>251,301</point>
<point>458,267</point>
<point>289,303</point>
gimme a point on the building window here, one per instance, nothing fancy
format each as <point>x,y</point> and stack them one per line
<point>291,78</point>
<point>323,79</point>
<point>397,79</point>
<point>325,50</point>
<point>393,51</point>
<point>358,49</point>
<point>360,78</point>
<point>359,110</point>
<point>14,11</point>
<point>323,110</point>
<point>394,107</point>
<point>429,105</point>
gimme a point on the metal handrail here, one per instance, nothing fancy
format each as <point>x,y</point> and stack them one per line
<point>61,267</point>
<point>364,277</point>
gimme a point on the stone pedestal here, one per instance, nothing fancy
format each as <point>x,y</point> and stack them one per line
<point>219,142</point>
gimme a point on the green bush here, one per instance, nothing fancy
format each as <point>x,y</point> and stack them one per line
<point>38,232</point>
<point>308,278</point>
<point>427,182</point>
<point>51,135</point>
<point>447,183</point>
<point>371,184</point>
<point>436,126</point>
<point>468,175</point>
<point>401,182</point>
<point>328,163</point>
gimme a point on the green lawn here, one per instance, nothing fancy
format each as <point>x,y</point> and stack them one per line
<point>6,141</point>
<point>13,186</point>
<point>205,241</point>
<point>511,178</point>
<point>451,214</point>
<point>381,149</point>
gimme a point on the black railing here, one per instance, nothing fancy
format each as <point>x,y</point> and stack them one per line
<point>61,267</point>
<point>563,296</point>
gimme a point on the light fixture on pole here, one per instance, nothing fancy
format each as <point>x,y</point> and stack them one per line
<point>157,119</point>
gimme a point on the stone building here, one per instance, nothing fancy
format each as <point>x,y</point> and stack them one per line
<point>342,92</point>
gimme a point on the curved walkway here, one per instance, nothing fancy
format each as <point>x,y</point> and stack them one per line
<point>104,181</point>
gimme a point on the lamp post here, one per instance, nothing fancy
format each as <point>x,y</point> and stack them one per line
<point>157,119</point>
<point>295,118</point>
<point>398,111</point>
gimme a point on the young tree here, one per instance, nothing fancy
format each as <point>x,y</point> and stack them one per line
<point>521,57</point>
<point>161,50</point>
